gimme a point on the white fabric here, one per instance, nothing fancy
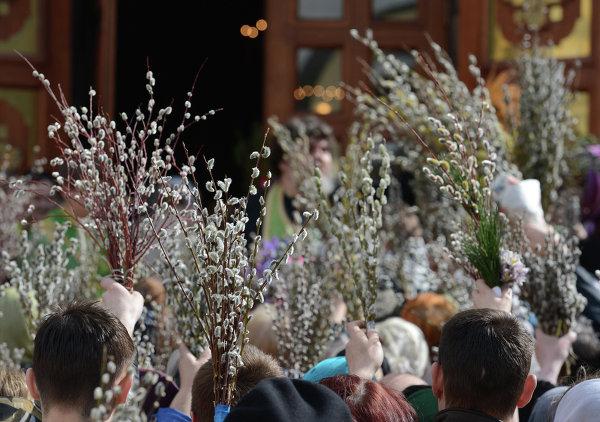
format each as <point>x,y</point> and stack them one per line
<point>580,404</point>
<point>523,198</point>
<point>404,346</point>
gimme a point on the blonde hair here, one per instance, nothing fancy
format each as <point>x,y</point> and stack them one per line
<point>12,383</point>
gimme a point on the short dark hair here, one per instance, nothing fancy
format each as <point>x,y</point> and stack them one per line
<point>71,347</point>
<point>257,366</point>
<point>485,357</point>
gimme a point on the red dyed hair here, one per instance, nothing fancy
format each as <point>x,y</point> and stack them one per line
<point>371,401</point>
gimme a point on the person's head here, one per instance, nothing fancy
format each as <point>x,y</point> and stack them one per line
<point>12,382</point>
<point>484,361</point>
<point>321,139</point>
<point>404,346</point>
<point>15,404</point>
<point>152,289</point>
<point>429,311</point>
<point>257,366</point>
<point>370,401</point>
<point>545,406</point>
<point>71,348</point>
<point>581,403</point>
<point>290,400</point>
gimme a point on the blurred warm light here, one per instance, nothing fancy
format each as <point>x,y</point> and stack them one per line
<point>322,108</point>
<point>556,13</point>
<point>245,30</point>
<point>299,94</point>
<point>328,94</point>
<point>253,33</point>
<point>261,24</point>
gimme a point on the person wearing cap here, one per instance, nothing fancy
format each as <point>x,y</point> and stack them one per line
<point>363,356</point>
<point>581,403</point>
<point>290,400</point>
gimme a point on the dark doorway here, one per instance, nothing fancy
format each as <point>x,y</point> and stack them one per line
<point>176,38</point>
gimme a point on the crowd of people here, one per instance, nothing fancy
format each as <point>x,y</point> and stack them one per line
<point>483,373</point>
<point>424,361</point>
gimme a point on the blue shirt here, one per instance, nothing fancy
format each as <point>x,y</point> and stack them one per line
<point>166,414</point>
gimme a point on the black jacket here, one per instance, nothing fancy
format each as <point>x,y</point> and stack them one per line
<point>463,415</point>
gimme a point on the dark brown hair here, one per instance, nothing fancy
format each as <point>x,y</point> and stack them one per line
<point>71,347</point>
<point>485,357</point>
<point>257,366</point>
<point>371,401</point>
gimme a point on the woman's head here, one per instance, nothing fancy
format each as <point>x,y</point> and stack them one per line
<point>581,403</point>
<point>404,346</point>
<point>429,311</point>
<point>12,382</point>
<point>370,401</point>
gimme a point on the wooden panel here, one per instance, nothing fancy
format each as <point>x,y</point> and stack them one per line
<point>287,33</point>
<point>24,102</point>
<point>280,70</point>
<point>107,51</point>
<point>473,38</point>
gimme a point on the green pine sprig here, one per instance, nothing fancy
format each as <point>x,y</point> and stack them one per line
<point>483,248</point>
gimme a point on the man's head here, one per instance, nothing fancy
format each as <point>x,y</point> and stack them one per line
<point>257,366</point>
<point>484,360</point>
<point>322,143</point>
<point>71,348</point>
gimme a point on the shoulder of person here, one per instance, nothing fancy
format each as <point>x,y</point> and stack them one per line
<point>166,414</point>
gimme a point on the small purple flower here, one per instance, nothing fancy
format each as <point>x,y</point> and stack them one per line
<point>270,250</point>
<point>513,269</point>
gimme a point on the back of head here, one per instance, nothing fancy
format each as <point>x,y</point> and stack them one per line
<point>404,346</point>
<point>581,403</point>
<point>370,401</point>
<point>12,382</point>
<point>71,347</point>
<point>257,366</point>
<point>14,399</point>
<point>429,311</point>
<point>284,399</point>
<point>485,356</point>
<point>152,289</point>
